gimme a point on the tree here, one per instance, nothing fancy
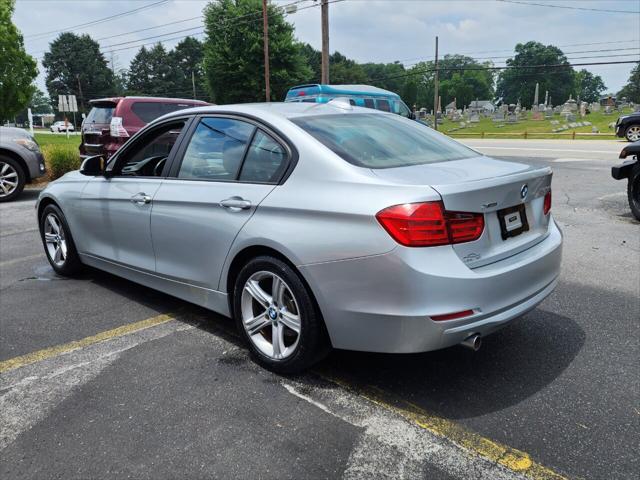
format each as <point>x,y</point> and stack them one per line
<point>17,69</point>
<point>389,76</point>
<point>632,89</point>
<point>519,82</point>
<point>588,86</point>
<point>186,59</point>
<point>233,58</point>
<point>151,72</point>
<point>40,103</point>
<point>75,65</point>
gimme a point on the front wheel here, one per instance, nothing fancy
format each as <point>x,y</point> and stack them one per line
<point>58,243</point>
<point>276,315</point>
<point>12,179</point>
<point>633,191</point>
<point>633,133</point>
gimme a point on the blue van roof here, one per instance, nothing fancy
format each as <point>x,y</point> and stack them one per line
<point>316,88</point>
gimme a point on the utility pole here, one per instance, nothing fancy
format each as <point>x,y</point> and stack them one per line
<point>325,41</point>
<point>265,28</point>
<point>435,91</point>
<point>193,84</point>
<point>80,91</point>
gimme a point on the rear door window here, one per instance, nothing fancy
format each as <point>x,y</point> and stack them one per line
<point>149,111</point>
<point>383,105</point>
<point>216,149</point>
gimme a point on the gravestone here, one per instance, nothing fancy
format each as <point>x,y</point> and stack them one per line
<point>595,107</point>
<point>474,117</point>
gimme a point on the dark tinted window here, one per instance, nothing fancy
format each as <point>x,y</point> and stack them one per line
<point>216,149</point>
<point>375,140</point>
<point>101,115</point>
<point>383,105</point>
<point>147,157</point>
<point>368,102</point>
<point>149,111</point>
<point>265,161</point>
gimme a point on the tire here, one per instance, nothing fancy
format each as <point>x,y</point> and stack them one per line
<point>58,242</point>
<point>632,133</point>
<point>12,179</point>
<point>633,191</point>
<point>267,318</point>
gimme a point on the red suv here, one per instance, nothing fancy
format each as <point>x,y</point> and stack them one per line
<point>112,121</point>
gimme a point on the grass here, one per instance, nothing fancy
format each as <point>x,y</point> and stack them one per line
<point>45,139</point>
<point>486,125</point>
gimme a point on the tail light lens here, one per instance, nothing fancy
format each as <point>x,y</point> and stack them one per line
<point>116,129</point>
<point>547,203</point>
<point>428,224</point>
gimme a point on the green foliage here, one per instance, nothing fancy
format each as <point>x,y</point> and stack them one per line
<point>464,85</point>
<point>75,61</point>
<point>519,84</point>
<point>185,58</point>
<point>588,86</point>
<point>632,89</point>
<point>151,72</point>
<point>60,159</point>
<point>233,58</point>
<point>40,103</point>
<point>17,69</point>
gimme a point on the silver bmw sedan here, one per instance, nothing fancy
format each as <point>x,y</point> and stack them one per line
<point>314,226</point>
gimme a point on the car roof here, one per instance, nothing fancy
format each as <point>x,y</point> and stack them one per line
<point>286,110</point>
<point>342,90</point>
<point>146,99</point>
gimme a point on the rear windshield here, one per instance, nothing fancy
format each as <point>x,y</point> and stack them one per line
<point>382,141</point>
<point>149,111</point>
<point>100,115</point>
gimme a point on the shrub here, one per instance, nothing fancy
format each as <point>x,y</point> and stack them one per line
<point>60,159</point>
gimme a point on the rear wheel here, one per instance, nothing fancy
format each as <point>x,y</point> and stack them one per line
<point>12,179</point>
<point>633,133</point>
<point>633,191</point>
<point>58,243</point>
<point>276,315</point>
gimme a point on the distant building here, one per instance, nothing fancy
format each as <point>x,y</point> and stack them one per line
<point>485,107</point>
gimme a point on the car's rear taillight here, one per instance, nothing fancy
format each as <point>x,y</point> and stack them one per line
<point>547,203</point>
<point>116,129</point>
<point>428,224</point>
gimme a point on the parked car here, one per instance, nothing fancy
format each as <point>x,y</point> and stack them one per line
<point>20,162</point>
<point>58,127</point>
<point>628,126</point>
<point>112,121</point>
<point>314,226</point>
<point>358,95</point>
<point>630,170</point>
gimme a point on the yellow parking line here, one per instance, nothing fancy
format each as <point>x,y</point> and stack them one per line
<point>46,353</point>
<point>510,458</point>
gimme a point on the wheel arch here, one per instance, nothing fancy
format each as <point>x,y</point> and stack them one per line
<point>243,256</point>
<point>43,203</point>
<point>23,165</point>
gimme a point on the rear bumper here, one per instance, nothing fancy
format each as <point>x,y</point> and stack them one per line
<point>384,303</point>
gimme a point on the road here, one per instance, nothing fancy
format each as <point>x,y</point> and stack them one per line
<point>157,388</point>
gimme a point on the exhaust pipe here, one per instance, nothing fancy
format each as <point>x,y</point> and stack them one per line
<point>473,342</point>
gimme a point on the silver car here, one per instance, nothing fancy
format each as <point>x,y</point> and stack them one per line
<point>314,226</point>
<point>20,162</point>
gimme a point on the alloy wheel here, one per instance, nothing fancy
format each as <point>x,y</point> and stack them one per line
<point>8,179</point>
<point>55,240</point>
<point>633,133</point>
<point>270,315</point>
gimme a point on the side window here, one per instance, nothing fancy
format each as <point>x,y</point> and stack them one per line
<point>147,157</point>
<point>149,111</point>
<point>368,103</point>
<point>266,160</point>
<point>383,105</point>
<point>216,149</point>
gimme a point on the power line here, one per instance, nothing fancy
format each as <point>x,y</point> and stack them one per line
<point>97,21</point>
<point>567,7</point>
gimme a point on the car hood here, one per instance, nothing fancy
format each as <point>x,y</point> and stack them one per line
<point>452,172</point>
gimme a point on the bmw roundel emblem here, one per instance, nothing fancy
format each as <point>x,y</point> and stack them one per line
<point>523,191</point>
<point>272,313</point>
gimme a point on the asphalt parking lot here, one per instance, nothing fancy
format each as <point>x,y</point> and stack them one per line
<point>101,377</point>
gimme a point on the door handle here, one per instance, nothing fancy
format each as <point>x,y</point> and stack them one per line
<point>141,198</point>
<point>236,203</point>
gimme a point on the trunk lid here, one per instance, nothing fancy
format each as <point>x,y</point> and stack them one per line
<point>488,186</point>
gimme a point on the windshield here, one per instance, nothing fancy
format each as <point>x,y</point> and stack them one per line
<point>382,141</point>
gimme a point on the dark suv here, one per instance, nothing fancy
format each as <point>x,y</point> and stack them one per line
<point>112,121</point>
<point>628,126</point>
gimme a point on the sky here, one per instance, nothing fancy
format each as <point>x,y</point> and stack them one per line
<point>367,30</point>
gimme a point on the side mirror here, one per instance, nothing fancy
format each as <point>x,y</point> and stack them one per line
<point>93,166</point>
<point>412,116</point>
